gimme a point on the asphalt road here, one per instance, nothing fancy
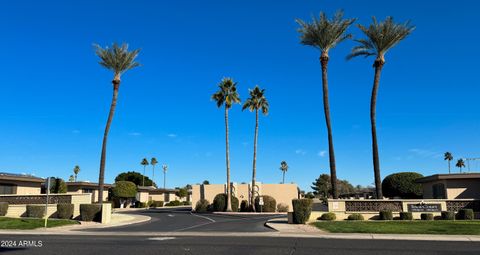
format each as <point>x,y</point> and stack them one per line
<point>178,220</point>
<point>83,245</point>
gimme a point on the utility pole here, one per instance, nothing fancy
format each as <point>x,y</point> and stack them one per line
<point>468,162</point>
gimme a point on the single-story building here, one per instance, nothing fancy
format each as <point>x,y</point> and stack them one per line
<point>83,187</point>
<point>149,193</point>
<point>451,186</point>
<point>20,184</point>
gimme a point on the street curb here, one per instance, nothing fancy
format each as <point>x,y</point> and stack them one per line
<point>250,213</point>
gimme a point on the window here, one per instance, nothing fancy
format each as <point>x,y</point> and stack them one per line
<point>6,189</point>
<point>438,191</point>
<point>87,190</point>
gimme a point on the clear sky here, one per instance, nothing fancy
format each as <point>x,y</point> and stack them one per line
<point>55,97</point>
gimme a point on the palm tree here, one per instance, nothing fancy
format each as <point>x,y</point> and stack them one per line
<point>117,59</point>
<point>71,178</point>
<point>283,168</point>
<point>144,163</point>
<point>449,157</point>
<point>257,101</point>
<point>324,34</point>
<point>165,168</point>
<point>460,164</point>
<point>76,170</point>
<point>380,38</point>
<point>226,96</point>
<point>153,162</point>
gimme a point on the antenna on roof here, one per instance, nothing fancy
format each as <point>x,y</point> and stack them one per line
<point>468,162</point>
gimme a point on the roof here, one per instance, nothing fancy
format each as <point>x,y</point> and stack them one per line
<point>87,184</point>
<point>153,190</point>
<point>438,177</point>
<point>20,177</point>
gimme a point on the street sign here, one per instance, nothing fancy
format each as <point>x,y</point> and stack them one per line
<point>260,201</point>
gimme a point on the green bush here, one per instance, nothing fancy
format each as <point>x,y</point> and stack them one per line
<point>90,212</point>
<point>202,206</point>
<point>355,216</point>
<point>402,185</point>
<point>245,207</point>
<point>301,210</point>
<point>465,214</point>
<point>386,215</point>
<point>281,207</point>
<point>426,216</point>
<point>3,208</point>
<point>156,204</point>
<point>64,211</point>
<point>328,216</point>
<point>269,204</point>
<point>174,203</point>
<point>220,204</point>
<point>446,215</point>
<point>406,216</point>
<point>187,203</point>
<point>35,211</point>
<point>139,204</point>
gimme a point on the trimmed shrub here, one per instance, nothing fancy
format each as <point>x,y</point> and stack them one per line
<point>446,215</point>
<point>301,210</point>
<point>465,214</point>
<point>269,204</point>
<point>187,203</point>
<point>220,203</point>
<point>174,203</point>
<point>202,206</point>
<point>156,204</point>
<point>90,212</point>
<point>355,216</point>
<point>35,211</point>
<point>406,216</point>
<point>402,185</point>
<point>328,216</point>
<point>426,216</point>
<point>64,211</point>
<point>245,207</point>
<point>3,208</point>
<point>386,215</point>
<point>125,191</point>
<point>281,207</point>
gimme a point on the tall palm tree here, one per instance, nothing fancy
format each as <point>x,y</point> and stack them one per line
<point>76,170</point>
<point>226,96</point>
<point>381,37</point>
<point>144,163</point>
<point>460,164</point>
<point>324,34</point>
<point>284,169</point>
<point>449,157</point>
<point>119,60</point>
<point>165,168</point>
<point>153,162</point>
<point>257,101</point>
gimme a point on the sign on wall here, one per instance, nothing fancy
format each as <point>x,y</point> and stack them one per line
<point>424,207</point>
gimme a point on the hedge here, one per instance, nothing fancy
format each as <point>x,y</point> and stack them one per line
<point>402,185</point>
<point>220,204</point>
<point>328,216</point>
<point>446,215</point>
<point>269,204</point>
<point>35,211</point>
<point>174,203</point>
<point>187,203</point>
<point>3,208</point>
<point>281,207</point>
<point>90,212</point>
<point>355,216</point>
<point>406,216</point>
<point>301,210</point>
<point>156,204</point>
<point>386,215</point>
<point>64,211</point>
<point>202,206</point>
<point>465,214</point>
<point>426,216</point>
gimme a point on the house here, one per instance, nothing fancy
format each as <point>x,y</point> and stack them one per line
<point>451,186</point>
<point>150,193</point>
<point>88,187</point>
<point>20,184</point>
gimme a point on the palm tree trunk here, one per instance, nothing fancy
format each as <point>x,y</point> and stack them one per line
<point>75,177</point>
<point>283,179</point>
<point>143,177</point>
<point>326,108</point>
<point>153,174</point>
<point>449,166</point>
<point>227,155</point>
<point>373,103</point>
<point>254,173</point>
<point>101,175</point>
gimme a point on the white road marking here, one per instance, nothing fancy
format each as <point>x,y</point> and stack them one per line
<point>170,215</point>
<point>161,238</point>
<point>204,217</point>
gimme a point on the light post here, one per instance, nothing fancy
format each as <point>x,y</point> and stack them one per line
<point>165,168</point>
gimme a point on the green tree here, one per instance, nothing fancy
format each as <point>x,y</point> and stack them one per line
<point>402,185</point>
<point>324,34</point>
<point>460,164</point>
<point>76,170</point>
<point>144,163</point>
<point>449,157</point>
<point>181,193</point>
<point>206,182</point>
<point>119,60</point>
<point>226,96</point>
<point>284,169</point>
<point>124,191</point>
<point>153,162</point>
<point>381,37</point>
<point>134,177</point>
<point>57,185</point>
<point>256,102</point>
<point>71,178</point>
<point>322,186</point>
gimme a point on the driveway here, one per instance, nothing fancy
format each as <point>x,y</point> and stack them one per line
<point>181,219</point>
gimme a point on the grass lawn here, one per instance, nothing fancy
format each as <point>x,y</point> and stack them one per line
<point>30,223</point>
<point>402,227</point>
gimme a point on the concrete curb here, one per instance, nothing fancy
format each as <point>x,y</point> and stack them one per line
<point>250,213</point>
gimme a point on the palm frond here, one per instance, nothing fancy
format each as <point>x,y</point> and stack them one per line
<point>117,58</point>
<point>257,101</point>
<point>227,94</point>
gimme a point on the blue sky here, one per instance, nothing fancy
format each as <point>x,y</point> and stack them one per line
<point>55,97</point>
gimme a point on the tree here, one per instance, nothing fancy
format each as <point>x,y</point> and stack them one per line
<point>402,185</point>
<point>460,164</point>
<point>71,178</point>
<point>449,157</point>
<point>227,96</point>
<point>119,60</point>
<point>144,163</point>
<point>134,177</point>
<point>181,193</point>
<point>255,102</point>
<point>324,34</point>
<point>165,168</point>
<point>153,162</point>
<point>76,170</point>
<point>206,182</point>
<point>380,38</point>
<point>284,169</point>
<point>124,191</point>
<point>322,186</point>
<point>57,185</point>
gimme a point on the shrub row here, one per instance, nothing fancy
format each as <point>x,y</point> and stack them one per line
<point>173,203</point>
<point>202,206</point>
<point>91,212</point>
<point>464,214</point>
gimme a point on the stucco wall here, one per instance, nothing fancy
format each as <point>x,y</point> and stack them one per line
<point>24,188</point>
<point>454,189</point>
